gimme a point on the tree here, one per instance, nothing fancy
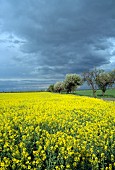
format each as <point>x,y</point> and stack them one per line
<point>71,82</point>
<point>105,80</point>
<point>51,88</point>
<point>58,87</point>
<point>90,77</point>
<point>112,75</point>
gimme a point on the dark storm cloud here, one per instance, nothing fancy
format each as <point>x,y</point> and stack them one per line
<point>59,36</point>
<point>24,85</point>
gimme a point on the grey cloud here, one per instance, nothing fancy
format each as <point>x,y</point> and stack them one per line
<point>59,36</point>
<point>24,85</point>
<point>113,53</point>
<point>2,41</point>
<point>18,41</point>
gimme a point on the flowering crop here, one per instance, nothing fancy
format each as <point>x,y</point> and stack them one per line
<point>44,131</point>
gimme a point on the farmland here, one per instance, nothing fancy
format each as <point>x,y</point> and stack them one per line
<point>56,131</point>
<point>110,93</point>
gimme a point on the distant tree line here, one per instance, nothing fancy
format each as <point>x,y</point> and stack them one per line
<point>96,79</point>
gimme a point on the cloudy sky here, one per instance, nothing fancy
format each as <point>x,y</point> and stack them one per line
<point>43,40</point>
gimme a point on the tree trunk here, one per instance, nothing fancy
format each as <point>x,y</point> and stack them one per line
<point>94,93</point>
<point>94,90</point>
<point>103,90</point>
<point>103,93</point>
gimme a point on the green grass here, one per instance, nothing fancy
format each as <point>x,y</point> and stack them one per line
<point>110,93</point>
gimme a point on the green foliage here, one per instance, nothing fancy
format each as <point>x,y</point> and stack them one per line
<point>112,75</point>
<point>96,79</point>
<point>71,82</point>
<point>90,77</point>
<point>104,80</point>
<point>58,87</point>
<point>51,88</point>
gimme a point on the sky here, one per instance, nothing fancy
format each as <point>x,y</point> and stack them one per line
<point>43,40</point>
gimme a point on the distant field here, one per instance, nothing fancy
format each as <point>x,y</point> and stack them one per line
<point>110,93</point>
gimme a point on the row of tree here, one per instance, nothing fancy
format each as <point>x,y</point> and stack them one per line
<point>96,79</point>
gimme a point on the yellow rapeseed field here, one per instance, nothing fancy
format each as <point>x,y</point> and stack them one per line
<point>45,131</point>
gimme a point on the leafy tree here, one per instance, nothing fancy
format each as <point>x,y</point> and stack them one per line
<point>112,74</point>
<point>58,87</point>
<point>105,80</point>
<point>71,82</point>
<point>51,88</point>
<point>90,77</point>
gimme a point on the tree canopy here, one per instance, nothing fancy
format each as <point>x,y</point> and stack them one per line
<point>71,82</point>
<point>90,77</point>
<point>105,80</point>
<point>58,87</point>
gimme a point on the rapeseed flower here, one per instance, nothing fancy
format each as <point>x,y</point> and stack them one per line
<point>53,131</point>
